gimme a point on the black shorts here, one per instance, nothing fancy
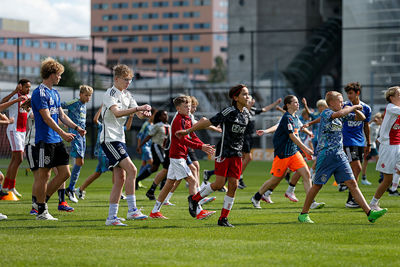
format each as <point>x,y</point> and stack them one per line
<point>354,153</point>
<point>51,155</point>
<point>373,153</point>
<point>33,160</point>
<point>158,154</point>
<point>115,152</point>
<point>165,164</point>
<point>192,155</point>
<point>247,144</point>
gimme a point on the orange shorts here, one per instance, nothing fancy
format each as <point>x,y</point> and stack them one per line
<point>295,162</point>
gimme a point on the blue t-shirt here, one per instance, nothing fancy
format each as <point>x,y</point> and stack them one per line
<point>98,151</point>
<point>45,98</point>
<point>315,127</point>
<point>353,134</point>
<point>144,131</point>
<point>76,112</point>
<point>330,136</point>
<point>283,145</point>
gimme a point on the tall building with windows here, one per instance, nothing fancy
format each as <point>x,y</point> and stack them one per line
<point>146,34</point>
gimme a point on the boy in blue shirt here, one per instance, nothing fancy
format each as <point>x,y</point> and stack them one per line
<point>331,158</point>
<point>77,113</point>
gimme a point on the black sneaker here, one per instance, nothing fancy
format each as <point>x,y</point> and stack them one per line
<point>224,222</point>
<point>150,195</point>
<point>192,206</point>
<point>394,193</point>
<point>342,187</point>
<point>3,193</point>
<point>352,204</point>
<point>241,184</point>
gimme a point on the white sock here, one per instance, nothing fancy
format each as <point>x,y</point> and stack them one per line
<point>228,202</point>
<point>131,199</point>
<point>206,190</point>
<point>241,176</point>
<point>395,182</point>
<point>199,209</point>
<point>311,172</point>
<point>157,207</point>
<point>269,192</point>
<point>290,189</point>
<point>168,197</point>
<point>198,188</point>
<point>374,201</point>
<point>113,211</point>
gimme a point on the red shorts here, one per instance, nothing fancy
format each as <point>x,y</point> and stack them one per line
<point>228,167</point>
<point>293,162</point>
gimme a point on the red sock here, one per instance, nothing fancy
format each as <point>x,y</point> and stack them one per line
<point>224,213</point>
<point>197,197</point>
<point>6,183</point>
<point>11,183</point>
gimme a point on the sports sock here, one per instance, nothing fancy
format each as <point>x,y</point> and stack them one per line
<point>6,183</point>
<point>143,168</point>
<point>228,203</point>
<point>268,193</point>
<point>113,211</point>
<point>257,196</point>
<point>131,199</point>
<point>168,197</point>
<point>291,188</point>
<point>157,207</point>
<point>209,173</point>
<point>153,188</point>
<point>349,197</point>
<point>74,177</point>
<point>364,177</point>
<point>61,195</point>
<point>11,183</point>
<point>47,198</point>
<point>34,200</point>
<point>205,191</point>
<point>395,182</point>
<point>146,173</point>
<point>374,201</point>
<point>41,207</point>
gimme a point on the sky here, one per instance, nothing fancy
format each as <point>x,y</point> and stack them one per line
<point>52,17</point>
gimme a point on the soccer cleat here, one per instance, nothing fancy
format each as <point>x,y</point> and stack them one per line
<point>140,185</point>
<point>150,195</point>
<point>256,203</point>
<point>394,193</point>
<point>375,207</point>
<point>342,187</point>
<point>3,216</point>
<point>3,193</point>
<point>205,176</point>
<point>63,206</point>
<point>224,222</point>
<point>352,204</point>
<point>304,218</point>
<point>365,182</point>
<point>123,197</point>
<point>223,189</point>
<point>14,191</point>
<point>71,195</point>
<point>241,184</point>
<point>115,221</point>
<point>291,196</point>
<point>267,199</point>
<point>192,206</point>
<point>136,215</point>
<point>375,215</point>
<point>316,205</point>
<point>81,194</point>
<point>204,214</point>
<point>46,216</point>
<point>33,212</point>
<point>157,215</point>
<point>168,204</point>
<point>206,200</point>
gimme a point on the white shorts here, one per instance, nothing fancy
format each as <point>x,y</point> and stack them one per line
<point>178,169</point>
<point>17,140</point>
<point>389,159</point>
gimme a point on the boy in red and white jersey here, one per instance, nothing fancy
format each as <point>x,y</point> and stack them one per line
<point>389,149</point>
<point>16,132</point>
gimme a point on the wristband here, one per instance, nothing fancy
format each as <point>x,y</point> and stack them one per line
<point>368,144</point>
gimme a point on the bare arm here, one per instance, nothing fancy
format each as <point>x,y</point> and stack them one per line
<point>300,144</point>
<point>7,98</point>
<point>45,113</point>
<point>129,122</point>
<point>348,109</point>
<point>308,132</point>
<point>306,106</point>
<point>280,109</point>
<point>203,123</point>
<point>121,113</point>
<point>97,116</point>
<point>147,138</point>
<point>8,104</point>
<point>67,121</point>
<point>267,131</point>
<point>271,106</point>
<point>5,120</point>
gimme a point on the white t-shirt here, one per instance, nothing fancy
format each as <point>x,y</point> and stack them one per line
<point>389,134</point>
<point>113,128</point>
<point>19,114</point>
<point>160,133</point>
<point>30,134</point>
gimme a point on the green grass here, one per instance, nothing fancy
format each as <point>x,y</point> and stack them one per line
<point>270,236</point>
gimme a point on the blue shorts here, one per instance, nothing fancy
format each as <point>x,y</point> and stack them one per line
<point>328,165</point>
<point>78,147</point>
<point>146,153</point>
<point>115,152</point>
<point>102,165</point>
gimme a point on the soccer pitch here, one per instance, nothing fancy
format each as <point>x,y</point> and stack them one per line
<point>270,236</point>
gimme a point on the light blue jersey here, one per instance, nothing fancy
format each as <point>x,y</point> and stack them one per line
<point>76,112</point>
<point>353,133</point>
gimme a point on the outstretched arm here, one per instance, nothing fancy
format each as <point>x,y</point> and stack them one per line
<point>271,106</point>
<point>7,98</point>
<point>201,124</point>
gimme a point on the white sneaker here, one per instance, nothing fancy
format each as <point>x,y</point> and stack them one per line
<point>136,215</point>
<point>267,199</point>
<point>115,222</point>
<point>365,182</point>
<point>291,196</point>
<point>168,204</point>
<point>375,207</point>
<point>316,205</point>
<point>46,216</point>
<point>81,194</point>
<point>71,195</point>
<point>256,203</point>
<point>3,217</point>
<point>207,200</point>
<point>15,192</point>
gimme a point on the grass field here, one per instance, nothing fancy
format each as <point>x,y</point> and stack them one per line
<point>270,236</point>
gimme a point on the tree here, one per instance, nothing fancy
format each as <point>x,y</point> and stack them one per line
<point>218,72</point>
<point>69,77</point>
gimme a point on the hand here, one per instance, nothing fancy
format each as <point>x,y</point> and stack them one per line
<point>181,133</point>
<point>22,98</point>
<point>305,125</point>
<point>81,131</point>
<point>357,107</point>
<point>209,149</point>
<point>367,150</point>
<point>309,151</point>
<point>11,120</point>
<point>144,108</point>
<point>278,101</point>
<point>146,113</point>
<point>139,150</point>
<point>67,136</point>
<point>260,132</point>
<point>218,130</point>
<point>18,88</point>
<point>304,101</point>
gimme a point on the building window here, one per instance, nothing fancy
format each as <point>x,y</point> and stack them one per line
<point>119,5</point>
<point>82,48</point>
<point>100,6</point>
<point>201,25</point>
<point>140,5</point>
<point>201,48</point>
<point>110,17</point>
<point>201,71</point>
<point>180,3</point>
<point>13,41</point>
<point>223,3</point>
<point>241,2</point>
<point>49,45</point>
<point>120,28</point>
<point>175,37</point>
<point>140,50</point>
<point>130,39</point>
<point>219,37</point>
<point>167,61</point>
<point>6,55</point>
<point>149,61</point>
<point>129,16</point>
<point>150,38</point>
<point>65,46</point>
<point>150,16</point>
<point>2,40</point>
<point>32,43</point>
<point>161,49</point>
<point>98,49</point>
<point>191,37</point>
<point>181,49</point>
<point>223,27</point>
<point>139,27</point>
<point>170,15</point>
<point>100,28</point>
<point>181,26</point>
<point>241,57</point>
<point>201,2</point>
<point>220,15</point>
<point>156,27</point>
<point>191,14</point>
<point>223,49</point>
<point>111,39</point>
<point>191,60</point>
<point>36,57</point>
<point>160,4</point>
<point>120,50</point>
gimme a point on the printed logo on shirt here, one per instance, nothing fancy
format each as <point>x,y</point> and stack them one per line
<point>354,123</point>
<point>51,101</point>
<point>238,129</point>
<point>290,127</point>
